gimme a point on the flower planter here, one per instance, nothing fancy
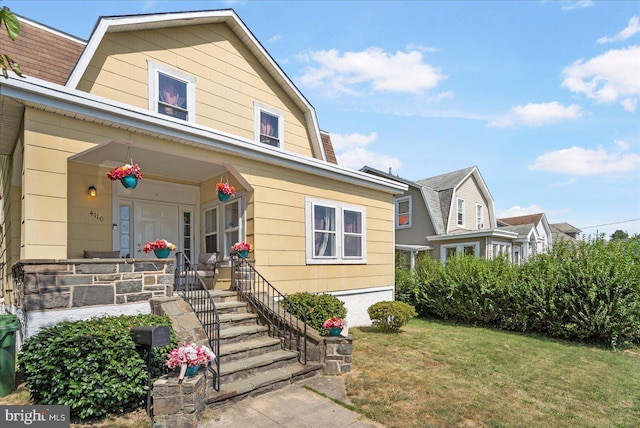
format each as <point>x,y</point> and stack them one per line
<point>335,332</point>
<point>224,197</point>
<point>162,253</point>
<point>129,182</point>
<point>191,371</point>
<point>244,254</point>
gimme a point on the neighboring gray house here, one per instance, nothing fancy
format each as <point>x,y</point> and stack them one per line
<point>448,214</point>
<point>565,232</point>
<point>534,235</point>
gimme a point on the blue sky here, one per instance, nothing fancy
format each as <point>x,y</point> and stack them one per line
<point>542,96</point>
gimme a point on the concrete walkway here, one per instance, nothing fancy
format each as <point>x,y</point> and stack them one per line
<point>293,407</point>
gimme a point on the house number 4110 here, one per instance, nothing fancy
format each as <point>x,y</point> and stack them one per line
<point>96,215</point>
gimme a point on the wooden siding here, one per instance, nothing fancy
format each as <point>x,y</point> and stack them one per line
<point>472,195</point>
<point>421,224</point>
<point>228,78</point>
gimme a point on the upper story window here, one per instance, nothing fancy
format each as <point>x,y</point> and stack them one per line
<point>269,125</point>
<point>403,212</point>
<point>171,92</point>
<point>480,216</point>
<point>335,232</point>
<point>460,212</point>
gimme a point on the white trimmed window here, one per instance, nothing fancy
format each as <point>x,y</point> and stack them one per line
<point>335,232</point>
<point>480,216</point>
<point>223,226</point>
<point>403,212</point>
<point>171,92</point>
<point>268,125</point>
<point>462,249</point>
<point>460,203</point>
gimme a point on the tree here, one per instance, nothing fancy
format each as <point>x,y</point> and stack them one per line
<point>11,23</point>
<point>619,234</point>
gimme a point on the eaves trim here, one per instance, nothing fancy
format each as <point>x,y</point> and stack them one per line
<point>63,99</point>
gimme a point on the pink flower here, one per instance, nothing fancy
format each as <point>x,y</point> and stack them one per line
<point>226,189</point>
<point>124,171</point>
<point>158,245</point>
<point>333,322</point>
<point>192,355</point>
<point>241,246</point>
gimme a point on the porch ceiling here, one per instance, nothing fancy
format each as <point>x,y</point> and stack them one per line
<point>151,162</point>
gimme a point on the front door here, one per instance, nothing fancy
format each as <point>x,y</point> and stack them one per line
<point>154,221</point>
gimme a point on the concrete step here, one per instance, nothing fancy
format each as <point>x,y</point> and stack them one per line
<point>241,333</point>
<point>248,348</point>
<point>262,382</point>
<point>240,369</point>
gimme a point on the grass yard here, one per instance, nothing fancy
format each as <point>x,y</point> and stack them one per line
<point>435,374</point>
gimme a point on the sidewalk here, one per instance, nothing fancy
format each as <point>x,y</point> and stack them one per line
<point>292,407</point>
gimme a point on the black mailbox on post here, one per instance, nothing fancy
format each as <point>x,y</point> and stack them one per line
<point>149,337</point>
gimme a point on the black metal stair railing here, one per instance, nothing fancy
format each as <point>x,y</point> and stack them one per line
<point>288,325</point>
<point>190,286</point>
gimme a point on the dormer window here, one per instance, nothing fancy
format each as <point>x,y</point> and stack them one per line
<point>269,125</point>
<point>171,92</point>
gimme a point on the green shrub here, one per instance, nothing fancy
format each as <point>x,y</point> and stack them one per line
<point>391,315</point>
<point>319,308</point>
<point>92,366</point>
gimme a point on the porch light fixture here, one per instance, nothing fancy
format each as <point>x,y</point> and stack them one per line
<point>92,191</point>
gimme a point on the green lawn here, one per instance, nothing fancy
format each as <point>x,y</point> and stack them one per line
<point>435,374</point>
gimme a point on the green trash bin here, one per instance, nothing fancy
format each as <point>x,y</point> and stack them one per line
<point>8,326</point>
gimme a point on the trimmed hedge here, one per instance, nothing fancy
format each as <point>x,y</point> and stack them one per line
<point>319,308</point>
<point>587,292</point>
<point>92,366</point>
<point>391,316</point>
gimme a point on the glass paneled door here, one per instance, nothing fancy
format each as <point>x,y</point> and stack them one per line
<point>155,221</point>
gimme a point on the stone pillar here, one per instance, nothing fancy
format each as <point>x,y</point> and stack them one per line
<point>338,352</point>
<point>179,403</point>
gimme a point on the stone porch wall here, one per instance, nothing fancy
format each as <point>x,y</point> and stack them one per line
<point>65,284</point>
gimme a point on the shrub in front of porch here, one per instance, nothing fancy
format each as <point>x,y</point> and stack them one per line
<point>319,308</point>
<point>91,365</point>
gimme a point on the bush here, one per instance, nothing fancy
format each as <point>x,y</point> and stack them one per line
<point>92,366</point>
<point>319,308</point>
<point>391,316</point>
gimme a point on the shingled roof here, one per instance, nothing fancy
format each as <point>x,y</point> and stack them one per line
<point>43,52</point>
<point>328,147</point>
<point>523,219</point>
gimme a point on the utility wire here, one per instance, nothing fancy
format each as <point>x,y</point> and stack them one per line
<point>609,224</point>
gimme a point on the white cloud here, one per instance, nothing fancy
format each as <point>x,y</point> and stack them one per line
<point>275,38</point>
<point>537,114</point>
<point>373,69</point>
<point>607,78</point>
<point>631,29</point>
<point>576,4</point>
<point>518,211</point>
<point>578,161</point>
<point>351,151</point>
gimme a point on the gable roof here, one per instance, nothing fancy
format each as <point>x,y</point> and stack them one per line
<point>42,51</point>
<point>523,219</point>
<point>441,188</point>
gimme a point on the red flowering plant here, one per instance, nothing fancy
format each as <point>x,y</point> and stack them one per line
<point>226,188</point>
<point>241,246</point>
<point>191,355</point>
<point>126,170</point>
<point>158,244</point>
<point>333,322</point>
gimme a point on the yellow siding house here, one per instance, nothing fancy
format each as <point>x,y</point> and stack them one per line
<point>194,100</point>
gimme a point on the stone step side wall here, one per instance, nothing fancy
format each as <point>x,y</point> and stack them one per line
<point>64,284</point>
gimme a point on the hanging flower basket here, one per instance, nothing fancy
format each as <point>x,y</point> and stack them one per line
<point>225,191</point>
<point>127,174</point>
<point>161,248</point>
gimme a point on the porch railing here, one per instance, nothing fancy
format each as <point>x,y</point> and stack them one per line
<point>190,286</point>
<point>290,324</point>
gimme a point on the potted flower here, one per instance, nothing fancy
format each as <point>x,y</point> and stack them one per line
<point>160,247</point>
<point>189,358</point>
<point>242,248</point>
<point>334,325</point>
<point>225,191</point>
<point>127,174</point>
